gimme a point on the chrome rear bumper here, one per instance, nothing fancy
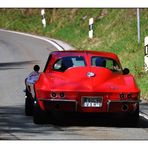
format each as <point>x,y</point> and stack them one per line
<point>59,104</point>
<point>121,102</point>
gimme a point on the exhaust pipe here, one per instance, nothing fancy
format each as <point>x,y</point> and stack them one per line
<point>124,107</point>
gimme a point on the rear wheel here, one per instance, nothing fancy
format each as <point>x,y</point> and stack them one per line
<point>39,116</point>
<point>134,116</point>
<point>28,104</point>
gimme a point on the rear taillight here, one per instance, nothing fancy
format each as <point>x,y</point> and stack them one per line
<point>62,95</point>
<point>122,96</point>
<point>53,94</point>
<point>57,95</point>
<point>128,96</point>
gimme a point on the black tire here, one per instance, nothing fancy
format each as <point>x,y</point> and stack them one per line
<point>57,117</point>
<point>28,106</point>
<point>39,116</point>
<point>134,117</point>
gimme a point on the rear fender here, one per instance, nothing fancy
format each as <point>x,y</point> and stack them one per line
<point>41,84</point>
<point>40,103</point>
<point>131,83</point>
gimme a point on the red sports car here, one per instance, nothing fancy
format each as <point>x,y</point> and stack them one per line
<point>84,81</point>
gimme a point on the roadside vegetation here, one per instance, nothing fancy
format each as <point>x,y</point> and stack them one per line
<point>115,30</point>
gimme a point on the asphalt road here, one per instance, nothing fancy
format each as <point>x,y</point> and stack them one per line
<point>18,54</point>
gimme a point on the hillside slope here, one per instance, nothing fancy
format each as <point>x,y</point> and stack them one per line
<point>115,30</point>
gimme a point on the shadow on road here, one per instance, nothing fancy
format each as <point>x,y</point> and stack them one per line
<point>12,119</point>
<point>102,120</point>
<point>16,65</point>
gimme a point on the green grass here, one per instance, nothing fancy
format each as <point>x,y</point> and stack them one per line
<point>115,30</point>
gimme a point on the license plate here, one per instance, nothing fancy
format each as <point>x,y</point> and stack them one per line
<point>92,101</point>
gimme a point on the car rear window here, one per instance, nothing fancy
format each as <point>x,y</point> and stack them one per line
<point>64,63</point>
<point>106,63</point>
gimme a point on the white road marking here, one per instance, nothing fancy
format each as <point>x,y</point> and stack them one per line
<point>143,115</point>
<point>37,37</point>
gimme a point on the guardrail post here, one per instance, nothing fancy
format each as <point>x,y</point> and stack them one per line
<point>91,23</point>
<point>43,18</point>
<point>146,54</point>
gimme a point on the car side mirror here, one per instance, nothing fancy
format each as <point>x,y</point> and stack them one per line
<point>126,71</point>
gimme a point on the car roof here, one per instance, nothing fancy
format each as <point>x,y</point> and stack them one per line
<point>89,52</point>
